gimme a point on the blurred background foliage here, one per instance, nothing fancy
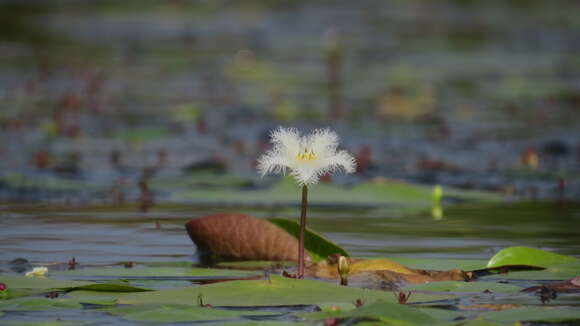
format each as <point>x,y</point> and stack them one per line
<point>467,93</point>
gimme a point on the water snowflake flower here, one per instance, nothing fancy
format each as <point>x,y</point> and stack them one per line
<point>37,272</point>
<point>306,157</point>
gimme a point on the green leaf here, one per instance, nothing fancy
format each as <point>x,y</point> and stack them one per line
<point>38,283</point>
<point>173,313</point>
<point>381,310</point>
<point>96,297</point>
<point>469,287</point>
<point>482,322</point>
<point>109,287</point>
<point>276,291</point>
<point>141,278</point>
<point>551,314</point>
<point>528,256</point>
<point>36,304</point>
<point>151,271</point>
<point>317,246</point>
<point>255,264</point>
<point>554,272</point>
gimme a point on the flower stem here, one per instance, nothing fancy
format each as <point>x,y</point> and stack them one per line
<point>302,230</point>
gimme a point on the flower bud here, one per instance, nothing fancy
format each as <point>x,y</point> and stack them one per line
<point>343,269</point>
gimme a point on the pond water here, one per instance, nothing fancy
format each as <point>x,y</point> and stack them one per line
<point>44,234</point>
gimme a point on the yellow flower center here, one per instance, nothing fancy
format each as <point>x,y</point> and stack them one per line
<point>306,155</point>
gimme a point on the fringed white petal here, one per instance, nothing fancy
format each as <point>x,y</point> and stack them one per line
<point>308,157</point>
<point>323,142</point>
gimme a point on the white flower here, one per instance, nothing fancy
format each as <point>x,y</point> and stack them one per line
<point>37,272</point>
<point>307,157</point>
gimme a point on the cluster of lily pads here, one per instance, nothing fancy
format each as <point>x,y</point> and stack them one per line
<point>163,293</point>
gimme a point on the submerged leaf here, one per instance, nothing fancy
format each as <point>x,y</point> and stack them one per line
<point>241,237</point>
<point>45,283</point>
<point>528,256</point>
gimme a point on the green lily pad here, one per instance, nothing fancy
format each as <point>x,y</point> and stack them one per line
<point>152,271</point>
<point>35,304</point>
<point>528,256</point>
<point>38,283</point>
<point>482,322</point>
<point>552,314</point>
<point>142,278</point>
<point>445,315</point>
<point>19,286</point>
<point>172,264</point>
<point>276,291</point>
<point>174,313</point>
<point>381,310</point>
<point>255,264</point>
<point>96,297</point>
<point>469,287</point>
<point>380,307</point>
<point>554,272</point>
<point>317,246</point>
<point>109,287</point>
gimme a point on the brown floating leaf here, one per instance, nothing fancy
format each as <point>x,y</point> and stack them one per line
<point>568,286</point>
<point>328,268</point>
<point>384,274</point>
<point>241,237</point>
<point>449,275</point>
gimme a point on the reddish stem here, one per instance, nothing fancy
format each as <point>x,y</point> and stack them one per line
<point>302,230</point>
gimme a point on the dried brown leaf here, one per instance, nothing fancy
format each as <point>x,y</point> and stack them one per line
<point>384,274</point>
<point>328,268</point>
<point>241,237</point>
